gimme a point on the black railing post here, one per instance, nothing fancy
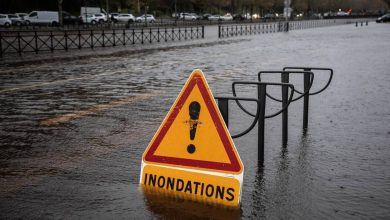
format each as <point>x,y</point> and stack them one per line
<point>219,31</point>
<point>165,37</point>
<point>66,41</point>
<point>92,39</point>
<point>133,37</point>
<point>113,35</point>
<point>223,105</point>
<point>261,92</point>
<point>306,86</point>
<point>150,35</point>
<point>79,35</point>
<point>36,41</point>
<point>142,36</point>
<point>1,46</point>
<point>19,46</point>
<point>285,79</point>
<point>158,34</point>
<point>103,45</point>
<point>124,37</point>
<point>51,42</point>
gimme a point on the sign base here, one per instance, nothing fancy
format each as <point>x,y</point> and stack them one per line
<point>192,184</point>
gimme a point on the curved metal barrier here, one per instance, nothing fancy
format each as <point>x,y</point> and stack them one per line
<point>286,99</point>
<point>260,116</point>
<point>306,97</point>
<point>308,78</point>
<point>223,105</point>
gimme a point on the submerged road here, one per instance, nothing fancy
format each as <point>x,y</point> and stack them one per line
<point>72,132</point>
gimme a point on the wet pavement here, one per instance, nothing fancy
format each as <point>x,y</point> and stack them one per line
<point>73,131</point>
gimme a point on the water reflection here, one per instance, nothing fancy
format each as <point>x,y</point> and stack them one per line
<point>258,195</point>
<point>168,207</point>
<point>276,193</point>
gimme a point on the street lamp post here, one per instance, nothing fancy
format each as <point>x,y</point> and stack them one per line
<point>146,11</point>
<point>287,9</point>
<point>60,15</point>
<point>108,17</point>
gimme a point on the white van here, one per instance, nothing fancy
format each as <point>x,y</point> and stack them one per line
<point>42,17</point>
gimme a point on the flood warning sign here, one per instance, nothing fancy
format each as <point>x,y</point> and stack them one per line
<point>192,155</point>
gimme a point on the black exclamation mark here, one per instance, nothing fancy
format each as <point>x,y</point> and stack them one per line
<point>194,116</point>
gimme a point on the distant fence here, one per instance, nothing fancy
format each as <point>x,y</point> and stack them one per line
<point>19,42</point>
<point>250,29</point>
<point>225,31</point>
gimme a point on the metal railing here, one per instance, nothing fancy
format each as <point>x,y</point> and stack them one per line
<point>161,22</point>
<point>225,31</point>
<point>19,42</point>
<point>259,116</point>
<point>287,97</point>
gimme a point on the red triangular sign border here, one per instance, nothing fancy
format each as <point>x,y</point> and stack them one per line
<point>235,164</point>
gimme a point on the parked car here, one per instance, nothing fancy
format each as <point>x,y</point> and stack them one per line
<point>125,18</point>
<point>5,21</point>
<point>42,17</point>
<point>342,13</point>
<point>315,16</point>
<point>329,14</point>
<point>226,17</point>
<point>198,17</point>
<point>21,15</point>
<point>16,20</point>
<point>68,18</point>
<point>114,17</point>
<point>213,17</point>
<point>149,18</point>
<point>384,18</point>
<point>101,17</point>
<point>269,17</point>
<point>187,17</point>
<point>206,16</point>
<point>239,17</point>
<point>94,18</point>
<point>175,15</point>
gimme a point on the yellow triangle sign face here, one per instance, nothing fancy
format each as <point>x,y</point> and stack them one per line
<point>193,134</point>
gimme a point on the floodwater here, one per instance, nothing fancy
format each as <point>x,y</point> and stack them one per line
<point>73,132</point>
